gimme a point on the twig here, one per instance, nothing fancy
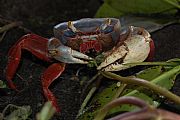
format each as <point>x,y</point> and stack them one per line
<point>89,83</point>
<point>9,26</point>
<point>20,77</point>
<point>3,35</point>
<point>5,21</point>
<point>89,95</point>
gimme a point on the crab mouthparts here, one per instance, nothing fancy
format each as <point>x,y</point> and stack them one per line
<point>95,45</point>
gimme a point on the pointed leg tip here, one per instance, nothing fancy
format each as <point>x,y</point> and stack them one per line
<point>12,86</point>
<point>58,110</point>
<point>55,106</point>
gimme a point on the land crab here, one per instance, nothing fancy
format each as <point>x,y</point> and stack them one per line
<point>71,42</point>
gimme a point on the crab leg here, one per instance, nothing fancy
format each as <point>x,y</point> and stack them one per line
<point>30,42</point>
<point>49,75</point>
<point>37,46</point>
<point>44,49</point>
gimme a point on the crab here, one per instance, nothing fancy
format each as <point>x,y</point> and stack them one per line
<point>72,42</point>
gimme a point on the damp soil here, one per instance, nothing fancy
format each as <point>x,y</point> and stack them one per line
<point>39,16</point>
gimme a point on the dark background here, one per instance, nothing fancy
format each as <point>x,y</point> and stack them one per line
<point>40,16</point>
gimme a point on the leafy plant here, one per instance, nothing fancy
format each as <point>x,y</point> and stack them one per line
<point>13,112</point>
<point>2,84</point>
<point>151,78</point>
<point>47,112</point>
<point>149,14</point>
<point>116,8</point>
<point>146,111</point>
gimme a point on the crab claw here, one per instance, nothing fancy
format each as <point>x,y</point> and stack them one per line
<point>65,54</point>
<point>133,46</point>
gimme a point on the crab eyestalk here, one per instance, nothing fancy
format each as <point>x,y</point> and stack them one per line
<point>133,46</point>
<point>72,27</point>
<point>106,23</point>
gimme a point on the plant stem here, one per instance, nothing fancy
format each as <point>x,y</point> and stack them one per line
<point>10,26</point>
<point>119,90</point>
<point>105,110</point>
<point>89,83</point>
<point>175,70</point>
<point>88,97</point>
<point>153,63</point>
<point>172,3</point>
<point>90,94</point>
<point>144,83</point>
<point>159,78</point>
<point>3,35</point>
<point>123,100</point>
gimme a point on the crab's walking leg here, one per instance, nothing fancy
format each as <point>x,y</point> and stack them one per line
<point>37,45</point>
<point>49,75</point>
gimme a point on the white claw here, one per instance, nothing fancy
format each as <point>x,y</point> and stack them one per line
<point>78,61</point>
<point>135,49</point>
<point>138,50</point>
<point>67,55</point>
<point>115,55</point>
<point>80,55</point>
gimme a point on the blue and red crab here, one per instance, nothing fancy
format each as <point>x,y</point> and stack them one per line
<point>73,39</point>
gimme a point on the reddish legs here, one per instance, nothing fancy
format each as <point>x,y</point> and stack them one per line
<point>49,75</point>
<point>35,44</point>
<point>38,46</point>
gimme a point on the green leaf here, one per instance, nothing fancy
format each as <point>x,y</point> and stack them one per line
<point>107,11</point>
<point>101,99</point>
<point>152,74</point>
<point>174,60</point>
<point>2,84</point>
<point>47,112</point>
<point>149,23</point>
<point>116,8</point>
<point>17,113</point>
